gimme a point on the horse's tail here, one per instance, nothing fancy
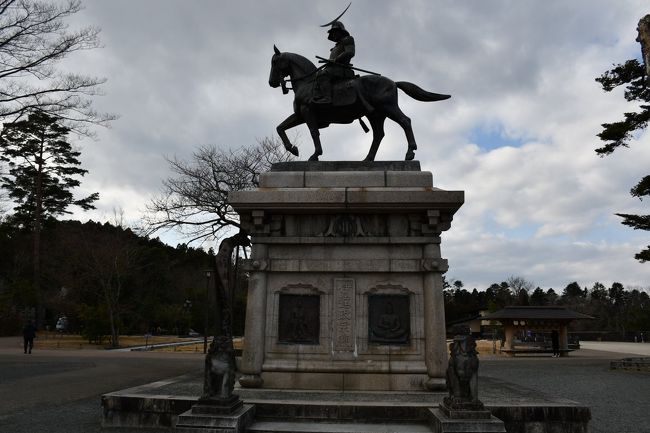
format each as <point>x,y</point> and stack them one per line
<point>420,94</point>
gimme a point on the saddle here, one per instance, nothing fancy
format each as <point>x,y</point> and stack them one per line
<point>340,89</point>
<point>344,92</point>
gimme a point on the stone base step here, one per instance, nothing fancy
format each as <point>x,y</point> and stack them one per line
<point>321,427</point>
<point>348,407</point>
<point>340,412</point>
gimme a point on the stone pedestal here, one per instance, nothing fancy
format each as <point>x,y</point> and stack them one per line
<point>345,290</point>
<point>463,417</point>
<point>443,421</point>
<point>209,418</point>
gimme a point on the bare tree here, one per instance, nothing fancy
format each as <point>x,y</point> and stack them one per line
<point>519,285</point>
<point>109,257</point>
<point>111,264</point>
<point>195,200</point>
<point>33,39</point>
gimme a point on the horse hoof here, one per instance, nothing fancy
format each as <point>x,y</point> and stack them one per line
<point>409,155</point>
<point>293,150</point>
<point>368,159</point>
<point>313,158</point>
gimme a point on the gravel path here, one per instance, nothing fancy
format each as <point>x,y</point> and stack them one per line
<point>619,400</point>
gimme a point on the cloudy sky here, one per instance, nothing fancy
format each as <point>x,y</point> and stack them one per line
<point>518,135</point>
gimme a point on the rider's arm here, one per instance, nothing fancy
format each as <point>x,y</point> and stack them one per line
<point>348,50</point>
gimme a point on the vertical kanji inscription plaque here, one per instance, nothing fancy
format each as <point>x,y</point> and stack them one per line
<point>343,314</point>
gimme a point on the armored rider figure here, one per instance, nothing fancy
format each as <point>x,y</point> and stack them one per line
<point>338,67</point>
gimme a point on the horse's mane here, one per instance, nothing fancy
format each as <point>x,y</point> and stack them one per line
<point>303,63</point>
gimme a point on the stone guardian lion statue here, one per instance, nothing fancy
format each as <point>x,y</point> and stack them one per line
<point>462,375</point>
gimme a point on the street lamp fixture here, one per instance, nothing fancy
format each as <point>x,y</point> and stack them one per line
<point>187,306</point>
<point>208,275</point>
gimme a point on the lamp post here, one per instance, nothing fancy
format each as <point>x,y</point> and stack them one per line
<point>187,306</point>
<point>208,274</point>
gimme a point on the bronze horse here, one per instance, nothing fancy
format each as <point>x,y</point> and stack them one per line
<point>376,99</point>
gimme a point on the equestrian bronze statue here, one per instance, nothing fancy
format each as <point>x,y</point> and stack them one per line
<point>371,96</point>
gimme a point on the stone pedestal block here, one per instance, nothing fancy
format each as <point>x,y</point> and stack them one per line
<point>345,286</point>
<point>214,406</point>
<point>441,422</point>
<point>206,418</point>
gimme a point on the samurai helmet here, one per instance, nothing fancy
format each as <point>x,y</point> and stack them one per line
<point>338,26</point>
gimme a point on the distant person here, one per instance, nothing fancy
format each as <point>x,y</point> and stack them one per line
<point>555,342</point>
<point>29,333</point>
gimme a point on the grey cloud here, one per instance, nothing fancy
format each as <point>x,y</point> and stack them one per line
<point>183,73</point>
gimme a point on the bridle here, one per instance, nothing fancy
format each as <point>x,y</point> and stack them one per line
<point>284,81</point>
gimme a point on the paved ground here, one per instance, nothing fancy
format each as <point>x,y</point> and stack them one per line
<point>59,391</point>
<point>638,349</point>
<point>619,400</point>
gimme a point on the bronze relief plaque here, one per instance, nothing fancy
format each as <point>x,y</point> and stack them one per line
<point>389,319</point>
<point>299,319</point>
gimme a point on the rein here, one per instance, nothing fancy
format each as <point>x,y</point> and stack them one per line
<point>284,81</point>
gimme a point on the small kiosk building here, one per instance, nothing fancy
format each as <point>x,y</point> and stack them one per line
<point>519,320</point>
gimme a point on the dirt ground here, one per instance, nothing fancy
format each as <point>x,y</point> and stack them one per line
<point>52,340</point>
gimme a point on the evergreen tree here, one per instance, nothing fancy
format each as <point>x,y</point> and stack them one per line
<point>538,297</point>
<point>43,169</point>
<point>633,75</point>
<point>572,290</point>
<point>551,297</point>
<point>598,292</point>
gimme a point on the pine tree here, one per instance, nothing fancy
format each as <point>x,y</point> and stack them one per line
<point>43,169</point>
<point>634,76</point>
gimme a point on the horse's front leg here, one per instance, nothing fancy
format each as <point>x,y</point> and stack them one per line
<point>289,122</point>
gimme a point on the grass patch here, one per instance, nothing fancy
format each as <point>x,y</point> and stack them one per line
<point>52,340</point>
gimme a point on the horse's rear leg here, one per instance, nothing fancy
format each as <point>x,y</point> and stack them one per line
<point>312,124</point>
<point>377,125</point>
<point>318,150</point>
<point>289,122</point>
<point>396,114</point>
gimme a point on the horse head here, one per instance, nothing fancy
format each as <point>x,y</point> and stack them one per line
<point>289,64</point>
<point>279,68</point>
